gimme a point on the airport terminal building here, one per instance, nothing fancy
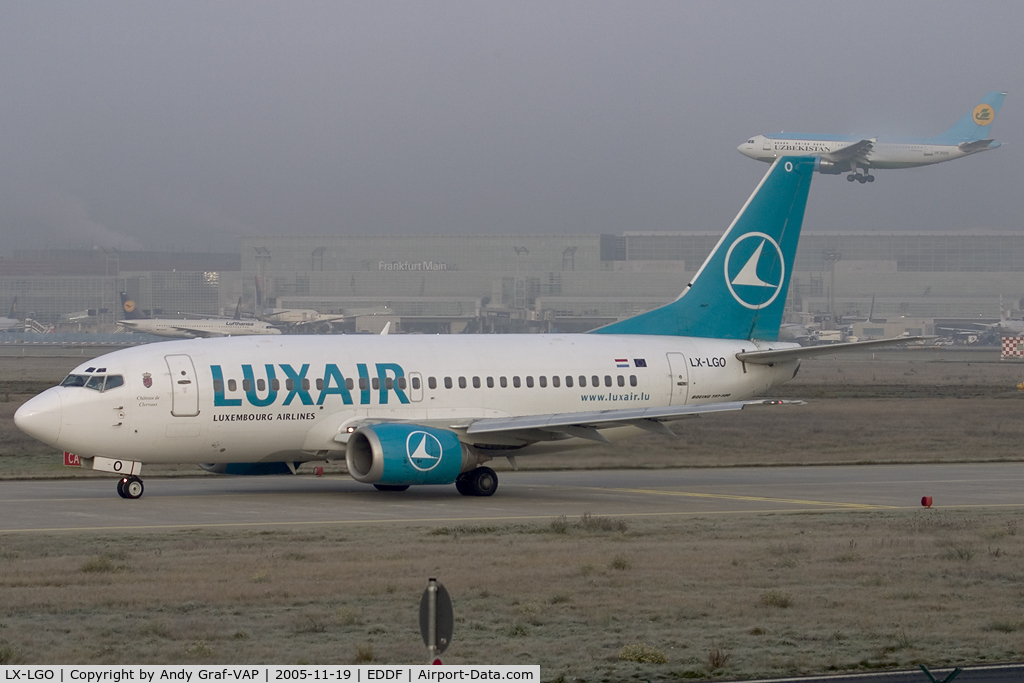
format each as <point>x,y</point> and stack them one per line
<point>506,283</point>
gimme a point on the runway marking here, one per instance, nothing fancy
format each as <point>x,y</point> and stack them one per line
<point>477,520</point>
<point>758,499</point>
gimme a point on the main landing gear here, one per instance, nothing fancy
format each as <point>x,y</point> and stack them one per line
<point>130,487</point>
<point>861,178</point>
<point>483,481</point>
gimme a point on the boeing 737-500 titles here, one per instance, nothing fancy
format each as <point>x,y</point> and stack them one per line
<point>858,154</point>
<point>404,410</point>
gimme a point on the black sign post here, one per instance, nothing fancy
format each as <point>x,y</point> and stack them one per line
<point>436,619</point>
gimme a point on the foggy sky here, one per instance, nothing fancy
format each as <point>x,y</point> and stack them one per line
<point>184,125</point>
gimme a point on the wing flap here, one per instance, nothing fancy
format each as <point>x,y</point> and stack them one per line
<point>644,418</point>
<point>857,149</point>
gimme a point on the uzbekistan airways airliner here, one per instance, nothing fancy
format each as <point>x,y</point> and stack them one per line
<point>404,410</point>
<point>857,154</point>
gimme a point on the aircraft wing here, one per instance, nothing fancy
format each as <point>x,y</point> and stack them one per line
<point>776,355</point>
<point>855,150</point>
<point>205,334</point>
<point>585,424</point>
<point>975,145</point>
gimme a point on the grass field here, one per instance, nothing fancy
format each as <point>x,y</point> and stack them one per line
<point>589,599</point>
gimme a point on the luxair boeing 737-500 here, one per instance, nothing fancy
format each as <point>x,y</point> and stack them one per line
<point>858,154</point>
<point>405,410</point>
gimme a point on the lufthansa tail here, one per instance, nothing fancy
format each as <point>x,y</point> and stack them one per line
<point>740,291</point>
<point>131,311</point>
<point>976,124</point>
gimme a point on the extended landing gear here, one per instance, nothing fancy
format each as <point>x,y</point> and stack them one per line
<point>861,178</point>
<point>130,487</point>
<point>483,481</point>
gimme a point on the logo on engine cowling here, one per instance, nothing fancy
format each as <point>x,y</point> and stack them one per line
<point>423,450</point>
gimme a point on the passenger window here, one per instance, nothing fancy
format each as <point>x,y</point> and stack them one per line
<point>218,386</point>
<point>305,384</point>
<point>490,382</point>
<point>622,381</point>
<point>515,381</point>
<point>246,385</point>
<point>389,383</point>
<point>232,385</point>
<point>568,380</point>
<point>275,384</point>
<point>350,383</point>
<point>363,384</point>
<point>319,384</point>
<point>542,380</point>
<point>503,382</point>
<point>447,382</point>
<point>401,383</point>
<point>375,383</point>
<point>432,382</point>
<point>607,380</point>
<point>595,381</point>
<point>529,381</point>
<point>632,380</point>
<point>289,384</point>
<point>113,381</point>
<point>583,380</point>
<point>415,382</point>
<point>261,385</point>
<point>476,382</point>
<point>462,383</point>
<point>555,381</point>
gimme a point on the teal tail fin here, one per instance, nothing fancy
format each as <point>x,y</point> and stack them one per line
<point>740,291</point>
<point>977,123</point>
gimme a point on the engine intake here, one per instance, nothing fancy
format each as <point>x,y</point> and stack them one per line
<point>394,453</point>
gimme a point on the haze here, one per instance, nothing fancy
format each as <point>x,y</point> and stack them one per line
<point>185,125</point>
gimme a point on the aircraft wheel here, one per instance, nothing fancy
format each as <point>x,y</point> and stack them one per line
<point>862,180</point>
<point>133,488</point>
<point>871,179</point>
<point>463,484</point>
<point>391,487</point>
<point>484,481</point>
<point>851,177</point>
<point>120,488</point>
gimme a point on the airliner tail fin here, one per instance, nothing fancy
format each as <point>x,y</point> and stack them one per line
<point>740,291</point>
<point>977,123</point>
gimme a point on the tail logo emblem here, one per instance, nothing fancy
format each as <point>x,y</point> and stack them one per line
<point>423,450</point>
<point>747,282</point>
<point>983,114</point>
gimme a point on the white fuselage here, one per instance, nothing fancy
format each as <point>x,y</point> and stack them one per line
<point>190,329</point>
<point>249,399</point>
<point>902,153</point>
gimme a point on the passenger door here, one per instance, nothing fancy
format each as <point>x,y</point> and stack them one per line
<point>184,387</point>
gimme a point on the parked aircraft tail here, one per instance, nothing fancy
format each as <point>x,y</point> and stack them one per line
<point>977,123</point>
<point>13,315</point>
<point>740,291</point>
<point>238,309</point>
<point>131,311</point>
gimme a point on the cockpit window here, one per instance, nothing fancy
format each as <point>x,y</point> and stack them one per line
<point>94,382</point>
<point>750,141</point>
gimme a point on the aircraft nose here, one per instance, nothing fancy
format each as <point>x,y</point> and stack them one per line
<point>40,417</point>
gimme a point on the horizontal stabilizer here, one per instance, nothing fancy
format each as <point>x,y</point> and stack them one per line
<point>778,355</point>
<point>564,422</point>
<point>975,145</point>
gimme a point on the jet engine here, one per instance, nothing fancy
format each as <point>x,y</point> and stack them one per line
<point>394,454</point>
<point>830,167</point>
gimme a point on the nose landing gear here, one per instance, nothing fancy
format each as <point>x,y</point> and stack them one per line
<point>130,487</point>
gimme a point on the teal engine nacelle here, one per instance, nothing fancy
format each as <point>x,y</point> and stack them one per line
<point>401,454</point>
